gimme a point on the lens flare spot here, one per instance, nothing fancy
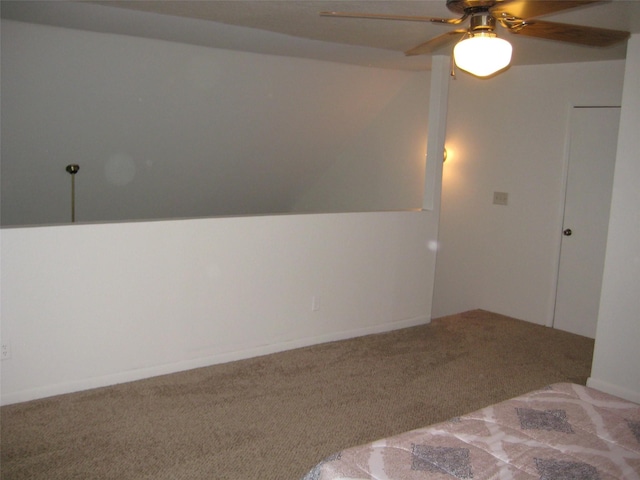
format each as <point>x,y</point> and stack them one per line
<point>120,169</point>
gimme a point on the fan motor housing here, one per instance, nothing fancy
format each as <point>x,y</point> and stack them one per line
<point>469,6</point>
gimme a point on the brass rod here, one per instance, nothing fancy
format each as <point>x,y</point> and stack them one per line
<point>73,169</point>
<point>73,198</point>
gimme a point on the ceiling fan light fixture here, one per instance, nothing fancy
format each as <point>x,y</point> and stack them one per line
<point>482,54</point>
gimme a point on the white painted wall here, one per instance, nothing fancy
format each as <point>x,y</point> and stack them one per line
<point>167,130</point>
<point>508,134</point>
<point>91,305</point>
<point>616,361</point>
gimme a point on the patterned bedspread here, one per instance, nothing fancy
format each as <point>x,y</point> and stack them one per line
<point>564,431</point>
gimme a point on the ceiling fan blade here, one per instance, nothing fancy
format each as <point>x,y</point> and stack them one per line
<point>592,36</point>
<point>436,42</point>
<point>383,16</point>
<point>525,9</point>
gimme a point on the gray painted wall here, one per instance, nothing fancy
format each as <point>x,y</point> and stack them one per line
<point>166,130</point>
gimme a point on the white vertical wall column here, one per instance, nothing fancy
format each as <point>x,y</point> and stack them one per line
<point>438,98</point>
<point>616,356</point>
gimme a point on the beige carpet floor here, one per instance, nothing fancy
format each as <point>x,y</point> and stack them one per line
<point>274,417</point>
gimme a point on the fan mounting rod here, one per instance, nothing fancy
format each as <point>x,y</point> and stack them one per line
<point>482,21</point>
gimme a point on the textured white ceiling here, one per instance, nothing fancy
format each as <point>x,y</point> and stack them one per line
<point>294,28</point>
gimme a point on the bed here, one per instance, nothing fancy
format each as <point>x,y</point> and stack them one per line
<point>563,431</point>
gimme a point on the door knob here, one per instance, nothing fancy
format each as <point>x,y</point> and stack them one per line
<point>567,232</point>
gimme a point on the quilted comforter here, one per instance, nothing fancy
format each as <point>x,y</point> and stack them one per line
<point>564,431</point>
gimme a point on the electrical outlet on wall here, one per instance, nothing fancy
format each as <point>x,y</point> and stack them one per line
<point>5,351</point>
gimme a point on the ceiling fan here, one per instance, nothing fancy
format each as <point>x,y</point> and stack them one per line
<point>479,50</point>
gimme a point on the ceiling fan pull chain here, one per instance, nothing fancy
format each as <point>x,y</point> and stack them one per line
<point>453,67</point>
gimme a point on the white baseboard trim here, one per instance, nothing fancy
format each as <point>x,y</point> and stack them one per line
<point>612,389</point>
<point>205,361</point>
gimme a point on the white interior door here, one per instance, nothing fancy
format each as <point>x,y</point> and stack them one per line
<point>592,153</point>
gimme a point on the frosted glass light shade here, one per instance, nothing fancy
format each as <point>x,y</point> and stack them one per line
<point>482,54</point>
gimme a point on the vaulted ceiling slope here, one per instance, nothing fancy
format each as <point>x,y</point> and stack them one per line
<point>294,27</point>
